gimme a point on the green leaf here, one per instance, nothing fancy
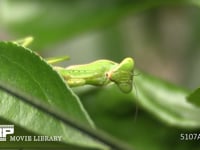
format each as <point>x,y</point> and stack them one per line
<point>194,97</point>
<point>29,73</point>
<point>167,101</point>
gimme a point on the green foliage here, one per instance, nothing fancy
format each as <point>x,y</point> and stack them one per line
<point>47,25</point>
<point>167,101</point>
<point>124,119</point>
<point>194,97</point>
<point>151,117</point>
<point>24,70</point>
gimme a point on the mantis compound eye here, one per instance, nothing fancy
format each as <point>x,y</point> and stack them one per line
<point>108,75</point>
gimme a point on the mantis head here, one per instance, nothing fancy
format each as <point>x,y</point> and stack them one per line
<point>122,75</point>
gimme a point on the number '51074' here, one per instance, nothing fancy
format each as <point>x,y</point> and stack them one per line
<point>190,136</point>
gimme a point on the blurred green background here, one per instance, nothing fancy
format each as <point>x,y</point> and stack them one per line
<point>162,37</point>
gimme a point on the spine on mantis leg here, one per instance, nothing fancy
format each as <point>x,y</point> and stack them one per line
<point>99,73</point>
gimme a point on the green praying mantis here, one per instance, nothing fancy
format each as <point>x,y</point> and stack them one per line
<point>99,73</point>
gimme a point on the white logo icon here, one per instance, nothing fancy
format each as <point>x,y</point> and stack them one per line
<point>5,130</point>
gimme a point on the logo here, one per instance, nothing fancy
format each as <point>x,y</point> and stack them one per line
<point>5,130</point>
<point>9,129</point>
